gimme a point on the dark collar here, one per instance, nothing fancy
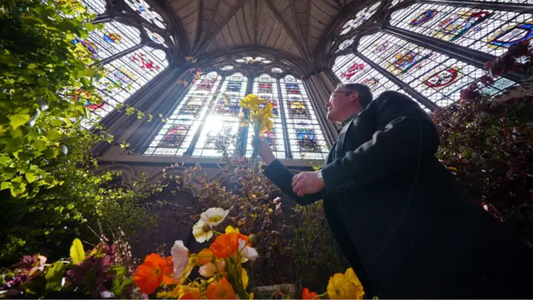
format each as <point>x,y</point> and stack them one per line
<point>349,119</point>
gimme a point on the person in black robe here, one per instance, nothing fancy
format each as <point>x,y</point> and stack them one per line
<point>399,216</point>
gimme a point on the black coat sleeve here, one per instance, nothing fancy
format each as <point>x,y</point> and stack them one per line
<point>282,178</point>
<point>404,133</point>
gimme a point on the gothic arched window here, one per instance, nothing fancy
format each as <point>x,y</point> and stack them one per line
<point>130,63</point>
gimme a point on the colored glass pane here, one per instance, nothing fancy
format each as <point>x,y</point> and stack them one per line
<point>221,119</point>
<point>364,75</point>
<point>433,74</point>
<point>361,16</point>
<point>274,137</point>
<point>305,135</point>
<point>176,135</point>
<point>485,30</point>
<point>146,12</point>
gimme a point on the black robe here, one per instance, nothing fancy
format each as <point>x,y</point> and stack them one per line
<point>400,217</point>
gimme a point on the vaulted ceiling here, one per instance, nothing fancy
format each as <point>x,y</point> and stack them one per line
<point>290,26</point>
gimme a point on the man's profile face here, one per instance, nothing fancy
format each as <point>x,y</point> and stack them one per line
<point>339,105</point>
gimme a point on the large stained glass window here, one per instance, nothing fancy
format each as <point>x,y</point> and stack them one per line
<point>361,16</point>
<point>178,132</point>
<point>129,63</point>
<point>146,12</point>
<point>266,88</point>
<point>222,119</point>
<point>351,69</point>
<point>435,75</point>
<point>305,135</point>
<point>486,30</point>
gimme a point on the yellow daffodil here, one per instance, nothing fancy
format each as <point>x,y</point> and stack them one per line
<point>339,287</point>
<point>251,101</point>
<point>352,277</point>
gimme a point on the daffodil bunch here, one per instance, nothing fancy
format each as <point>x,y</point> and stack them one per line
<point>220,265</point>
<point>259,113</point>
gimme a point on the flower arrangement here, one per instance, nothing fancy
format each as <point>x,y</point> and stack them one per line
<point>220,266</point>
<point>96,273</point>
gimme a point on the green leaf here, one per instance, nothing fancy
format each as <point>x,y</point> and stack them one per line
<point>51,152</point>
<point>53,135</point>
<point>30,177</point>
<point>39,145</point>
<point>118,291</point>
<point>76,251</point>
<point>5,185</point>
<point>18,120</point>
<point>32,66</point>
<point>54,276</point>
<point>89,26</point>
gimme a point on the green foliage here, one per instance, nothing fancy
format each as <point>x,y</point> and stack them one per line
<point>48,192</point>
<point>316,252</point>
<point>41,72</point>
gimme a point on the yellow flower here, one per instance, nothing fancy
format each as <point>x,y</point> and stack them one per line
<point>245,278</point>
<point>339,287</point>
<point>230,229</point>
<point>251,101</point>
<point>352,277</point>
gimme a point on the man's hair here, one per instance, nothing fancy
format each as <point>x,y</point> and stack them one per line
<point>365,95</point>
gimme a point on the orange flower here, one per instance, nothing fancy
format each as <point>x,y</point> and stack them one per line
<point>192,293</point>
<point>168,271</point>
<point>220,290</point>
<point>149,275</point>
<point>205,256</point>
<point>306,294</point>
<point>225,245</point>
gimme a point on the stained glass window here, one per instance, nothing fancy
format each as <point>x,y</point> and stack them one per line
<point>253,60</point>
<point>114,38</point>
<point>146,12</point>
<point>305,136</point>
<point>433,74</point>
<point>132,68</point>
<point>351,69</point>
<point>489,31</point>
<point>227,68</point>
<point>345,44</point>
<point>363,15</point>
<point>130,72</point>
<point>277,70</point>
<point>222,119</point>
<point>178,132</point>
<point>274,137</point>
<point>95,6</point>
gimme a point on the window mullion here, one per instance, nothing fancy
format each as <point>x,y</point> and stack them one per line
<point>284,126</point>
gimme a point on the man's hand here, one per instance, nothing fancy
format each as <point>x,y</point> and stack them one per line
<point>306,183</point>
<point>264,150</point>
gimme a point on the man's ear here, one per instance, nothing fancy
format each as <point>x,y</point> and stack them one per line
<point>354,96</point>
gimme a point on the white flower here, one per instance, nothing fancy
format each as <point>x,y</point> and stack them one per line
<point>214,216</point>
<point>201,231</point>
<point>209,270</point>
<point>180,258</point>
<point>247,252</point>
